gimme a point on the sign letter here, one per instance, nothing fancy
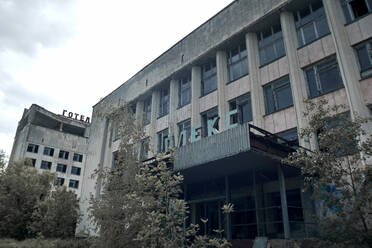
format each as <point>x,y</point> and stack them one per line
<point>228,119</point>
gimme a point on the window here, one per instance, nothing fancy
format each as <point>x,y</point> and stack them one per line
<point>278,95</point>
<point>270,44</point>
<point>145,147</point>
<point>63,154</point>
<point>115,131</point>
<point>311,23</point>
<point>33,148</point>
<point>323,77</point>
<point>48,151</point>
<point>164,101</point>
<point>146,111</point>
<point>45,165</point>
<point>209,115</point>
<point>162,136</point>
<point>184,126</point>
<point>184,93</point>
<point>354,9</point>
<point>115,159</point>
<point>209,78</point>
<point>237,62</point>
<point>244,107</point>
<point>364,54</point>
<point>61,168</point>
<point>75,170</point>
<point>31,161</point>
<point>291,136</point>
<point>73,184</point>
<point>78,157</point>
<point>60,181</point>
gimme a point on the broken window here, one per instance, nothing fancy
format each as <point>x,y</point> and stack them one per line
<point>323,77</point>
<point>209,116</point>
<point>209,78</point>
<point>162,138</point>
<point>311,23</point>
<point>244,107</point>
<point>237,62</point>
<point>354,9</point>
<point>364,54</point>
<point>270,44</point>
<point>184,126</point>
<point>278,95</point>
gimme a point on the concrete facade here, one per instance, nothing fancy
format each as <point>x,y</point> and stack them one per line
<point>52,141</point>
<point>253,24</point>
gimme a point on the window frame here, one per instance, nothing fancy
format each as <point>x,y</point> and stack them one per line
<point>64,168</point>
<point>314,17</point>
<point>34,148</point>
<point>184,88</point>
<point>164,101</point>
<point>366,72</point>
<point>145,148</point>
<point>60,181</point>
<point>276,86</point>
<point>317,71</point>
<point>73,184</point>
<point>270,41</point>
<point>77,172</point>
<point>185,125</point>
<point>162,136</point>
<point>48,151</point>
<point>239,102</point>
<point>48,164</point>
<point>208,74</point>
<point>77,157</point>
<point>349,13</point>
<point>240,62</point>
<point>146,116</point>
<point>63,154</point>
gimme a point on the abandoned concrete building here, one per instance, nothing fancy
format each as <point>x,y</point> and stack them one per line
<point>53,142</point>
<point>230,96</point>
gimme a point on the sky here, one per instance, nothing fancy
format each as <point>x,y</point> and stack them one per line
<point>68,54</point>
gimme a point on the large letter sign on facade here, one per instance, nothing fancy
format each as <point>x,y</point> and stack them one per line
<point>228,119</point>
<point>195,135</point>
<point>182,139</point>
<point>168,143</point>
<point>211,124</point>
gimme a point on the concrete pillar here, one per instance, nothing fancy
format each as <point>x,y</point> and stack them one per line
<point>283,201</point>
<point>308,210</point>
<point>173,103</point>
<point>228,200</point>
<point>139,112</point>
<point>222,79</point>
<point>296,75</point>
<point>195,95</point>
<point>257,96</point>
<point>155,101</point>
<point>347,62</point>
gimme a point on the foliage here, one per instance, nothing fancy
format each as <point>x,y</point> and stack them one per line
<point>141,204</point>
<point>21,188</point>
<point>29,206</point>
<point>45,243</point>
<point>56,216</point>
<point>2,160</point>
<point>338,173</point>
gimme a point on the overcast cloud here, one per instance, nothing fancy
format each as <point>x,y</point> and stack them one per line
<point>67,54</point>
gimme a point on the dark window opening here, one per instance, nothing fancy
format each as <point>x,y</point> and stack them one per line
<point>184,126</point>
<point>49,151</point>
<point>209,115</point>
<point>45,165</point>
<point>278,95</point>
<point>244,106</point>
<point>164,101</point>
<point>237,62</point>
<point>162,138</point>
<point>209,78</point>
<point>60,181</point>
<point>33,148</point>
<point>184,94</point>
<point>75,170</point>
<point>145,147</point>
<point>147,111</point>
<point>78,157</point>
<point>354,9</point>
<point>270,44</point>
<point>73,184</point>
<point>364,54</point>
<point>63,154</point>
<point>61,168</point>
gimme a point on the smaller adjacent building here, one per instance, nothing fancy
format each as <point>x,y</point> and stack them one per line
<point>53,142</point>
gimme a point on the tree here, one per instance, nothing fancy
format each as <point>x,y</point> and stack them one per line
<point>57,215</point>
<point>21,188</point>
<point>2,160</point>
<point>140,205</point>
<point>339,173</point>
